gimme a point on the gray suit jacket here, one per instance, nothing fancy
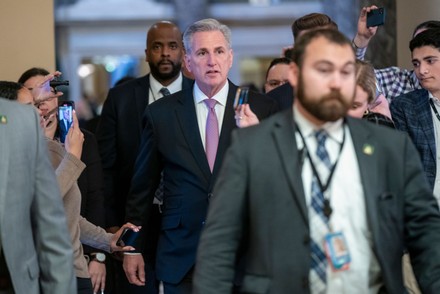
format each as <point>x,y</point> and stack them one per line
<point>259,207</point>
<point>33,231</point>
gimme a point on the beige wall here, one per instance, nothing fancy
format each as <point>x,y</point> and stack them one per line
<point>409,14</point>
<point>26,36</point>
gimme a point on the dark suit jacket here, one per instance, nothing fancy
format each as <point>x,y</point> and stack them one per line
<point>118,135</point>
<point>283,95</point>
<point>411,113</point>
<point>171,141</point>
<point>90,184</point>
<point>259,202</point>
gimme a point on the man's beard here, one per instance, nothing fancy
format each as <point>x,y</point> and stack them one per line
<point>164,76</point>
<point>330,107</point>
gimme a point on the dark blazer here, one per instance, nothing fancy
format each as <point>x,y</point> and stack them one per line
<point>90,184</point>
<point>411,113</point>
<point>283,95</point>
<point>259,204</point>
<point>171,142</point>
<point>118,135</point>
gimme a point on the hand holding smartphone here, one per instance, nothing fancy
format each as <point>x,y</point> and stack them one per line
<point>65,118</point>
<point>127,238</point>
<point>376,17</point>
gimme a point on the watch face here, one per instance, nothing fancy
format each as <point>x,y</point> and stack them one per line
<point>100,257</point>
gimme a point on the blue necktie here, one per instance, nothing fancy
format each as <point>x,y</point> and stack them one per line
<point>318,223</point>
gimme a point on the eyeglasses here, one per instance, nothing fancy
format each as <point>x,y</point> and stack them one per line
<point>276,83</point>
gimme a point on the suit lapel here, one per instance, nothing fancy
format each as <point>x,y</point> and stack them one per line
<point>423,113</point>
<point>141,93</point>
<point>368,158</point>
<point>187,118</point>
<point>285,141</point>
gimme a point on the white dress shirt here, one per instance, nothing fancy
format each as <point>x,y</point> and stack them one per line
<point>436,124</point>
<point>155,88</point>
<point>347,200</point>
<point>202,109</point>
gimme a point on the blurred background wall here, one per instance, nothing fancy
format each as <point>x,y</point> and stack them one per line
<point>26,36</point>
<point>97,42</point>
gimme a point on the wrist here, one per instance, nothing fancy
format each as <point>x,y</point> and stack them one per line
<point>360,42</point>
<point>98,256</point>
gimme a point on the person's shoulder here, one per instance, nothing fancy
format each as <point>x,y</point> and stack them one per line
<point>129,86</point>
<point>375,130</point>
<point>411,97</point>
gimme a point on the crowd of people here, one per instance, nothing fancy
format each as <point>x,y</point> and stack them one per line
<point>325,183</point>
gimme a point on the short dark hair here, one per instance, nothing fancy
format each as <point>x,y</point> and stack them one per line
<point>9,90</point>
<point>283,60</point>
<point>312,21</point>
<point>32,72</point>
<point>427,25</point>
<point>331,35</point>
<point>430,37</point>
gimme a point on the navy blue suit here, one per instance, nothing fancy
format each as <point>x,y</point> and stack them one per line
<point>119,135</point>
<point>411,113</point>
<point>171,142</point>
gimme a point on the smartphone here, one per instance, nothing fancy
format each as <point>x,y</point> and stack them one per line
<point>127,238</point>
<point>241,96</point>
<point>65,118</point>
<point>376,17</point>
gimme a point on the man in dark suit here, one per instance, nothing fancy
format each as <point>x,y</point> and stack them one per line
<point>319,202</point>
<point>416,112</point>
<point>174,140</point>
<point>120,128</point>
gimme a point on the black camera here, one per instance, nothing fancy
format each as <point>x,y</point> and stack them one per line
<point>56,83</point>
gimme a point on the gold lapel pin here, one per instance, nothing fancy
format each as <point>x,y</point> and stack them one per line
<point>3,119</point>
<point>368,149</point>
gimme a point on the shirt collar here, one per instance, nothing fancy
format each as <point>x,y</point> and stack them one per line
<point>434,99</point>
<point>174,87</point>
<point>333,129</point>
<point>221,97</point>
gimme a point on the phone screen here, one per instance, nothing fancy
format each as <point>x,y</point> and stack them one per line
<point>65,118</point>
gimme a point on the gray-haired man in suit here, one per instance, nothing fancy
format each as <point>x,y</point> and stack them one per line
<point>36,253</point>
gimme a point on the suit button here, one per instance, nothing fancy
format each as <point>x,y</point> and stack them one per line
<point>306,239</point>
<point>209,196</point>
<point>203,223</point>
<point>305,282</point>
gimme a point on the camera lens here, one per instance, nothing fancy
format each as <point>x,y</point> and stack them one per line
<point>381,10</point>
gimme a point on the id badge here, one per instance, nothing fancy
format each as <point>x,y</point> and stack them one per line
<point>337,251</point>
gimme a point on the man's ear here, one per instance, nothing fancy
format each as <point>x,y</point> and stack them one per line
<point>146,55</point>
<point>293,74</point>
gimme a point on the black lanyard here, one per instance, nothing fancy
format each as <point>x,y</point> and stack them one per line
<point>327,207</point>
<point>435,109</point>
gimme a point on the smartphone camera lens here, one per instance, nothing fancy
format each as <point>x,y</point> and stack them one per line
<point>381,10</point>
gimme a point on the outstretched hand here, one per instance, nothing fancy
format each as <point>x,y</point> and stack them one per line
<point>364,34</point>
<point>75,138</point>
<point>245,117</point>
<point>43,92</point>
